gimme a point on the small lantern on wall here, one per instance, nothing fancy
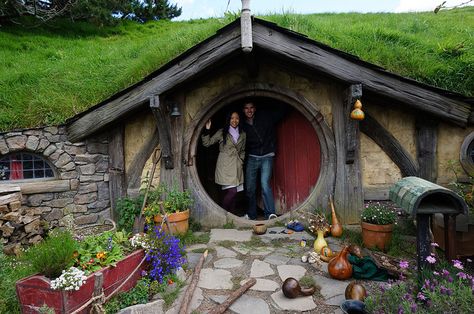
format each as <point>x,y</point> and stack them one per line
<point>357,113</point>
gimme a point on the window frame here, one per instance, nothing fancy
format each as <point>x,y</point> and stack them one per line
<point>34,158</point>
<point>466,154</point>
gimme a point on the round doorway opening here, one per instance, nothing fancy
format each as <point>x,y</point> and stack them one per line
<point>296,165</point>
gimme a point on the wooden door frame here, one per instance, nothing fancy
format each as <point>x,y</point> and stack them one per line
<point>210,213</point>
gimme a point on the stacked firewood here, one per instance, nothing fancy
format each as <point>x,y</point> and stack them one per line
<point>18,225</point>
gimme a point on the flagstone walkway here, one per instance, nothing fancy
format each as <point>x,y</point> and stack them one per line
<point>235,256</point>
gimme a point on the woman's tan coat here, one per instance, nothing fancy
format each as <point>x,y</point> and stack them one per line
<point>229,167</point>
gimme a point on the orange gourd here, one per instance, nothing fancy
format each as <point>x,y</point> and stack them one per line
<point>336,226</point>
<point>339,267</point>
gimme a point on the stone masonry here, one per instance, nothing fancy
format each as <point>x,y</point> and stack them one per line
<point>82,167</point>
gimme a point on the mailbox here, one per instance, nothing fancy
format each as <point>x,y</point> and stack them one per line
<point>422,198</point>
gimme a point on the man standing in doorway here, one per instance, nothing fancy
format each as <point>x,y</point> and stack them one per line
<point>260,148</point>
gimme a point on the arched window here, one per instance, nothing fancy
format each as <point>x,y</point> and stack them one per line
<point>23,166</point>
<point>467,154</point>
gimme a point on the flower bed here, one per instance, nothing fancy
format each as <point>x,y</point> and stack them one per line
<point>35,291</point>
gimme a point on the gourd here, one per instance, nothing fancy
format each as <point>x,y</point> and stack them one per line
<point>355,291</point>
<point>291,289</point>
<point>336,226</point>
<point>339,267</point>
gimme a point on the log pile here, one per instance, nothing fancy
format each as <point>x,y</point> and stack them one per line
<point>18,225</point>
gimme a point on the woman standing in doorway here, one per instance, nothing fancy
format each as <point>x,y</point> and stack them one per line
<point>229,168</point>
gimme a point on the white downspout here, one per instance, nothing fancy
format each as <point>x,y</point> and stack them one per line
<point>246,27</point>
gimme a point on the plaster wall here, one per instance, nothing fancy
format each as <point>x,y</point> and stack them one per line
<point>450,139</point>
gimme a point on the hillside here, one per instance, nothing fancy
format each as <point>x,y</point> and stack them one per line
<point>51,73</point>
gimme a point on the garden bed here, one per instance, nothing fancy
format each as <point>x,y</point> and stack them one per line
<point>34,291</point>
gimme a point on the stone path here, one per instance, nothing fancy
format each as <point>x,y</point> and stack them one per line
<point>235,256</point>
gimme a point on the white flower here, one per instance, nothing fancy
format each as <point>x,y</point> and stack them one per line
<point>71,279</point>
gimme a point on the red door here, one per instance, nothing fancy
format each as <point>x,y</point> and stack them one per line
<point>297,163</point>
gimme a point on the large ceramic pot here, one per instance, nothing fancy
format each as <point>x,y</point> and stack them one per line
<point>179,222</point>
<point>34,291</point>
<point>378,236</point>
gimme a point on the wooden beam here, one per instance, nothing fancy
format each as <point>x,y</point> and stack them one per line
<point>43,186</point>
<point>426,146</point>
<point>390,145</point>
<point>348,192</point>
<point>200,59</point>
<point>380,82</point>
<point>162,117</point>
<point>117,186</point>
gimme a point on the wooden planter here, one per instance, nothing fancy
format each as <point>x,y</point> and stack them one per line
<point>34,291</point>
<point>378,236</point>
<point>464,234</point>
<point>179,222</point>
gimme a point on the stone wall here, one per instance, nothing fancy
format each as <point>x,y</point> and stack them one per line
<point>79,193</point>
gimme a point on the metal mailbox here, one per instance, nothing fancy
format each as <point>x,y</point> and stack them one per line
<point>421,199</point>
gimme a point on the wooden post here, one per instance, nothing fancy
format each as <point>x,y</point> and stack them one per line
<point>450,236</point>
<point>117,183</point>
<point>348,193</point>
<point>163,125</point>
<point>423,240</point>
<point>426,145</point>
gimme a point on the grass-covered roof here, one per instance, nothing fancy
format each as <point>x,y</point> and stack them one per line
<point>51,73</point>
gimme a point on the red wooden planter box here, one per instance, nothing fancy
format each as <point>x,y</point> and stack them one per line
<point>34,291</point>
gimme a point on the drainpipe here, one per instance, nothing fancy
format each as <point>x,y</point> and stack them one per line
<point>246,27</point>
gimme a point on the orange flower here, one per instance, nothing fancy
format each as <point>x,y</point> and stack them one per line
<point>75,254</point>
<point>101,255</point>
<point>170,281</point>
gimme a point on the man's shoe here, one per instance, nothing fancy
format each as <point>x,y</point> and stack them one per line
<point>272,216</point>
<point>246,217</point>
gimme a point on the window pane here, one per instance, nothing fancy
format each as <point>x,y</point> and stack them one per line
<point>28,174</point>
<point>49,173</point>
<point>39,173</point>
<point>38,164</point>
<point>27,156</point>
<point>27,165</point>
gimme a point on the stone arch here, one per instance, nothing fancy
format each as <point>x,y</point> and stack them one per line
<point>212,213</point>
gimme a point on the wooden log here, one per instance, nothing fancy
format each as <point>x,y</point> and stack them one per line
<point>426,146</point>
<point>233,296</point>
<point>161,115</point>
<point>117,187</point>
<point>348,193</point>
<point>43,186</point>
<point>188,295</point>
<point>6,199</point>
<point>98,294</point>
<point>390,145</point>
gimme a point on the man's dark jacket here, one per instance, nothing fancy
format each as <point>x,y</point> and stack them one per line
<point>261,136</point>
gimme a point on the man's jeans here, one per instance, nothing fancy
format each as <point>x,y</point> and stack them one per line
<point>264,165</point>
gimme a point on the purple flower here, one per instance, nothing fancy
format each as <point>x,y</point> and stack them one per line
<point>413,307</point>
<point>458,264</point>
<point>462,275</point>
<point>430,259</point>
<point>435,273</point>
<point>468,260</point>
<point>400,310</point>
<point>421,296</point>
<point>443,290</point>
<point>434,244</point>
<point>445,273</point>
<point>403,264</point>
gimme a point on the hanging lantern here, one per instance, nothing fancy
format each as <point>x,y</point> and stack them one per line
<point>357,113</point>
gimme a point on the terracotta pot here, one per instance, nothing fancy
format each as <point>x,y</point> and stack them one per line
<point>378,236</point>
<point>259,229</point>
<point>179,222</point>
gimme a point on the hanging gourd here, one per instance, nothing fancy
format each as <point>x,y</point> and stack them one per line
<point>336,226</point>
<point>357,113</point>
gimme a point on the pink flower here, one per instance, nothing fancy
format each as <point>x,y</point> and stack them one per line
<point>435,273</point>
<point>430,259</point>
<point>434,244</point>
<point>421,296</point>
<point>468,260</point>
<point>462,275</point>
<point>404,264</point>
<point>458,264</point>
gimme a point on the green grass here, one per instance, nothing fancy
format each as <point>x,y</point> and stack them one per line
<point>11,270</point>
<point>51,73</point>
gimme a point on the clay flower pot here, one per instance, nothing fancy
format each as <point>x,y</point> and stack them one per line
<point>378,236</point>
<point>179,222</point>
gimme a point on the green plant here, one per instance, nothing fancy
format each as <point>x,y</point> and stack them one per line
<point>444,288</point>
<point>44,309</point>
<point>169,200</point>
<point>463,189</point>
<point>378,213</point>
<point>307,281</point>
<point>11,270</point>
<point>128,209</point>
<point>137,295</point>
<point>168,289</point>
<point>52,255</point>
<point>229,225</point>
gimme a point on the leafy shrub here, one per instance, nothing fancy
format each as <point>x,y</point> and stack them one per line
<point>53,254</point>
<point>137,295</point>
<point>444,289</point>
<point>128,209</point>
<point>378,213</point>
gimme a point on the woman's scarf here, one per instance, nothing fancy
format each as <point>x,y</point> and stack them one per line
<point>234,133</point>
